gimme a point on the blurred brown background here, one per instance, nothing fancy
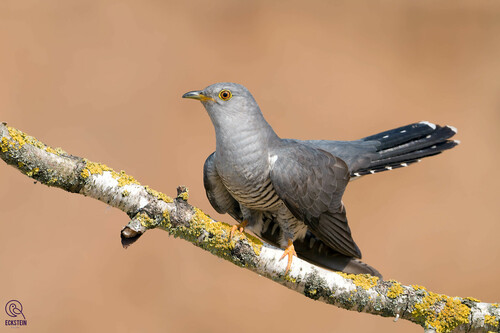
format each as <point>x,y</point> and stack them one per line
<point>103,79</point>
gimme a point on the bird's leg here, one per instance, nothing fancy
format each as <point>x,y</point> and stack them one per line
<point>240,226</point>
<point>250,219</point>
<point>290,252</point>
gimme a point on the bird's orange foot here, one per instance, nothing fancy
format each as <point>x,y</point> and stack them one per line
<point>240,227</point>
<point>290,252</point>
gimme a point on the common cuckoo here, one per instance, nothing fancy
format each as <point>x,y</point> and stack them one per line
<point>289,192</point>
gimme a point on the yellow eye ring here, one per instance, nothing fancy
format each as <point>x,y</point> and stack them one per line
<point>225,95</point>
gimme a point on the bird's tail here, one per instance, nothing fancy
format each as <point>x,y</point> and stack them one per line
<point>405,145</point>
<point>315,251</point>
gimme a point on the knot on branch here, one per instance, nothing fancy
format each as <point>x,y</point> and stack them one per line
<point>182,192</point>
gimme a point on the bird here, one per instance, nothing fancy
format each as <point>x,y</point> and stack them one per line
<point>289,192</point>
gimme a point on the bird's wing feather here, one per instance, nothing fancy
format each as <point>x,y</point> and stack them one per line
<point>220,199</point>
<point>311,183</point>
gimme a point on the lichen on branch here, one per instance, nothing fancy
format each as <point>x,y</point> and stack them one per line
<point>151,209</point>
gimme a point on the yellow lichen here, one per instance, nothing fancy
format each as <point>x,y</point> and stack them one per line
<point>32,172</point>
<point>51,150</point>
<point>212,236</point>
<point>18,139</point>
<point>491,320</point>
<point>472,299</point>
<point>145,220</point>
<point>20,164</point>
<point>166,217</point>
<point>184,195</point>
<point>17,136</point>
<point>4,145</point>
<point>364,281</point>
<point>417,287</point>
<point>22,138</point>
<point>158,195</point>
<point>92,168</point>
<point>125,193</point>
<point>395,290</point>
<point>255,242</point>
<point>58,151</point>
<point>217,231</point>
<point>52,181</point>
<point>441,312</point>
<point>124,179</point>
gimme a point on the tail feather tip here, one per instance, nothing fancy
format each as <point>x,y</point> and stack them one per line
<point>454,129</point>
<point>431,125</point>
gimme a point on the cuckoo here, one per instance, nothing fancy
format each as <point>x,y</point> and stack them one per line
<point>288,191</point>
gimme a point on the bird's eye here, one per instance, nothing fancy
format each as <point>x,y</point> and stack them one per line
<point>225,95</point>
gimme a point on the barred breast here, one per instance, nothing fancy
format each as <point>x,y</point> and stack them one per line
<point>262,197</point>
<point>243,167</point>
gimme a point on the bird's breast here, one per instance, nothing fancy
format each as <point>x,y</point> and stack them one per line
<point>245,174</point>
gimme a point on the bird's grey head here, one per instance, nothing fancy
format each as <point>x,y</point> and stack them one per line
<point>227,103</point>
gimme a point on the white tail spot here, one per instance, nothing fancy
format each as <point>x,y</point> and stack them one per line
<point>403,131</point>
<point>404,164</point>
<point>433,147</point>
<point>372,172</point>
<point>457,141</point>
<point>356,174</point>
<point>428,136</point>
<point>388,168</point>
<point>385,136</point>
<point>454,129</point>
<point>431,125</point>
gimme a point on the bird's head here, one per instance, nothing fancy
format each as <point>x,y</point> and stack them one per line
<point>224,101</point>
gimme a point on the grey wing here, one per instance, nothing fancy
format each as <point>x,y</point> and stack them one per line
<point>220,199</point>
<point>356,154</point>
<point>311,183</point>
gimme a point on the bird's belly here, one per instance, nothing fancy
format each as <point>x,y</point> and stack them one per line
<point>280,226</point>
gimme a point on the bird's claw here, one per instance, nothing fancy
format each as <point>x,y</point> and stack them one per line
<point>240,227</point>
<point>290,252</point>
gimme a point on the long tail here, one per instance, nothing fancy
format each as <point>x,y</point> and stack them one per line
<point>313,250</point>
<point>405,145</point>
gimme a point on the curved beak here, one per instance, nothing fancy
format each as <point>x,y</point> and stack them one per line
<point>197,94</point>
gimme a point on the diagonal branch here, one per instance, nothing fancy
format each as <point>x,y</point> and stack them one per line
<point>149,209</point>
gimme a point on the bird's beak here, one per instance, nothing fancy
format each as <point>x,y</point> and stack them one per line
<point>197,94</point>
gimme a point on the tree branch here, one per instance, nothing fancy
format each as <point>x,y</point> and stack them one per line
<point>149,209</point>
